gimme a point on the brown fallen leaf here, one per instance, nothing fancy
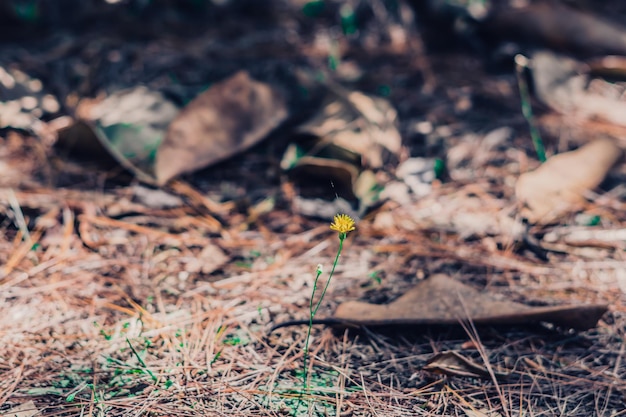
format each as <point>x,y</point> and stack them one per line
<point>610,66</point>
<point>355,122</point>
<point>567,86</point>
<point>127,125</point>
<point>228,118</point>
<point>346,141</point>
<point>440,300</point>
<point>556,26</point>
<point>559,185</point>
<point>454,364</point>
<point>27,409</point>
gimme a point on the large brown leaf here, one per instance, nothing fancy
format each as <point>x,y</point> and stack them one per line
<point>226,119</point>
<point>440,300</point>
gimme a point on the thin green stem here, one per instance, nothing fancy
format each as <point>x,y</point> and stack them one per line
<point>332,271</point>
<point>527,110</point>
<point>308,334</point>
<point>313,311</point>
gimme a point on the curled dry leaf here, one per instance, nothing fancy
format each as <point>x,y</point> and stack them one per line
<point>357,123</point>
<point>566,86</point>
<point>440,300</point>
<point>351,135</point>
<point>559,185</point>
<point>454,364</point>
<point>128,124</point>
<point>228,118</point>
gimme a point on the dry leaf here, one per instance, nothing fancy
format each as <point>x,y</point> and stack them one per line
<point>465,214</point>
<point>351,134</point>
<point>563,84</point>
<point>228,118</point>
<point>418,174</point>
<point>322,209</point>
<point>560,184</point>
<point>453,364</point>
<point>440,300</point>
<point>588,236</point>
<point>129,125</point>
<point>556,26</point>
<point>212,258</point>
<point>610,66</point>
<point>358,123</point>
<point>28,409</point>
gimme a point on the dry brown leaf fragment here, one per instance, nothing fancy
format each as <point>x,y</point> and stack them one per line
<point>27,409</point>
<point>347,142</point>
<point>127,125</point>
<point>228,118</point>
<point>559,185</point>
<point>441,300</point>
<point>554,25</point>
<point>212,258</point>
<point>567,86</point>
<point>452,363</point>
<point>362,124</point>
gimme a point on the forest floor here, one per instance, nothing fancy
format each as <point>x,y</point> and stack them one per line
<point>114,305</point>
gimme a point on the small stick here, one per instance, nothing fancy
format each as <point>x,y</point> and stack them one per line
<point>329,321</point>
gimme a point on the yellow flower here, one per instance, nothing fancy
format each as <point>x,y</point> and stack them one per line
<point>342,223</point>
